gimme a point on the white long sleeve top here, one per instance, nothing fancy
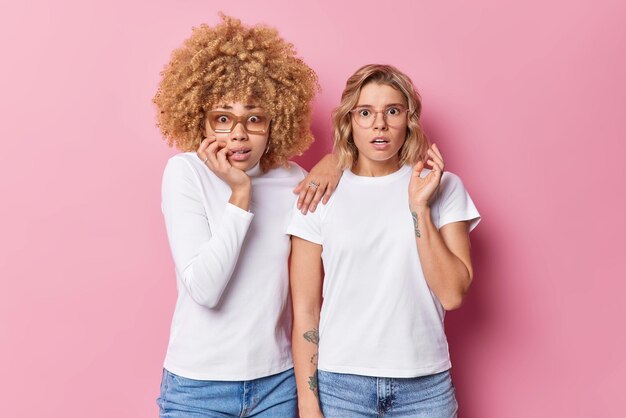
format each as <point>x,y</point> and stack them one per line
<point>232,319</point>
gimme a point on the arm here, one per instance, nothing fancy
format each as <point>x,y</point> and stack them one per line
<point>326,175</point>
<point>445,257</point>
<point>306,294</point>
<point>204,258</point>
<point>444,254</point>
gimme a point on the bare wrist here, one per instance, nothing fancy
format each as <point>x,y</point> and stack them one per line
<point>241,197</point>
<point>420,208</point>
<point>242,186</point>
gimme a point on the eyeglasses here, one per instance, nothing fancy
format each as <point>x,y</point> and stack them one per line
<point>224,122</point>
<point>365,116</point>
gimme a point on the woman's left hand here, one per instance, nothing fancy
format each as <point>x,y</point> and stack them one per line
<point>319,184</point>
<point>422,189</point>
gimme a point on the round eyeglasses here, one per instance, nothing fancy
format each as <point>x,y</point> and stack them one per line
<point>224,122</point>
<point>365,116</point>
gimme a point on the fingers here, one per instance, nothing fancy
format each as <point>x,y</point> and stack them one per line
<point>211,157</point>
<point>298,189</point>
<point>417,168</point>
<point>304,191</point>
<point>317,196</point>
<point>202,149</point>
<point>436,170</point>
<point>312,196</point>
<point>222,160</point>
<point>205,143</point>
<point>436,149</point>
<point>330,189</point>
<point>302,195</point>
<point>307,196</point>
<point>436,160</point>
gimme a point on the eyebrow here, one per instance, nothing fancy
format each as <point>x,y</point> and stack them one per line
<point>247,107</point>
<point>387,105</point>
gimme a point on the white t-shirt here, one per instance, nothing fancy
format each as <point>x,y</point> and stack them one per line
<point>233,313</point>
<point>379,317</point>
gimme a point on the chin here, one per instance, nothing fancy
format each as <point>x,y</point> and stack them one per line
<point>240,165</point>
<point>380,157</point>
<point>243,165</point>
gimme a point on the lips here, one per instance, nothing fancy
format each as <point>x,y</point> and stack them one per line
<point>239,153</point>
<point>380,140</point>
<point>380,143</point>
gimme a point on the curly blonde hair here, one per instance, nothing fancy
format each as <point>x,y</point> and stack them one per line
<point>232,62</point>
<point>415,144</point>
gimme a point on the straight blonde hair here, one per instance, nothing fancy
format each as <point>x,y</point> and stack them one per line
<point>415,144</point>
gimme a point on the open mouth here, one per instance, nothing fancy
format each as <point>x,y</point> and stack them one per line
<point>239,154</point>
<point>380,141</point>
<point>239,151</point>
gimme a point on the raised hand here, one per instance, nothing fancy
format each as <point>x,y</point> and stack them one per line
<point>214,154</point>
<point>422,189</point>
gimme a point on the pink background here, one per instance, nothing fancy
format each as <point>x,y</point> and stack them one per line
<point>526,99</point>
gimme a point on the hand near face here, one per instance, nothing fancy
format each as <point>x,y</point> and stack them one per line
<point>214,155</point>
<point>421,190</point>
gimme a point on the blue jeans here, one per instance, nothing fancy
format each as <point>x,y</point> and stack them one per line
<point>348,395</point>
<point>267,397</point>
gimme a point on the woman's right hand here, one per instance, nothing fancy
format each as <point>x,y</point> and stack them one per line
<point>214,155</point>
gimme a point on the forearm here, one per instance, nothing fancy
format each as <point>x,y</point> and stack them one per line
<point>306,295</point>
<point>446,274</point>
<point>241,196</point>
<point>206,261</point>
<point>204,255</point>
<point>305,343</point>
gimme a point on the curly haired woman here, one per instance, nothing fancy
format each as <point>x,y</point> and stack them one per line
<point>236,101</point>
<point>393,248</point>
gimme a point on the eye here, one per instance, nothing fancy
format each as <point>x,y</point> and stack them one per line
<point>364,113</point>
<point>393,111</point>
<point>254,119</point>
<point>222,119</point>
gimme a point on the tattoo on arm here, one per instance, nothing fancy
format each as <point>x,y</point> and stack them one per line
<point>418,234</point>
<point>313,384</point>
<point>312,336</point>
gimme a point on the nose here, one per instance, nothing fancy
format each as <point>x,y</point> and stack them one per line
<point>379,121</point>
<point>239,132</point>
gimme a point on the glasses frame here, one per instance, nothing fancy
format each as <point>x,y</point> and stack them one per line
<point>236,120</point>
<point>376,112</point>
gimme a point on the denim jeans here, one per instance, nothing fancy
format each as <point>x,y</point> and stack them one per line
<point>347,395</point>
<point>267,397</point>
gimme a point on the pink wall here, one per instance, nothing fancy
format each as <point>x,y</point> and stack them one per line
<point>526,100</point>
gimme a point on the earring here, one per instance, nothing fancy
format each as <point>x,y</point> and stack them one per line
<point>267,149</point>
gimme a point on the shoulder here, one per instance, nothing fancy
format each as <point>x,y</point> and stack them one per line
<point>451,188</point>
<point>184,167</point>
<point>450,180</point>
<point>183,162</point>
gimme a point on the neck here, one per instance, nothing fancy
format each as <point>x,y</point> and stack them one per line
<point>369,168</point>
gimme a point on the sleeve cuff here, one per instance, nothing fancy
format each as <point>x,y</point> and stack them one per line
<point>472,218</point>
<point>237,212</point>
<point>304,235</point>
